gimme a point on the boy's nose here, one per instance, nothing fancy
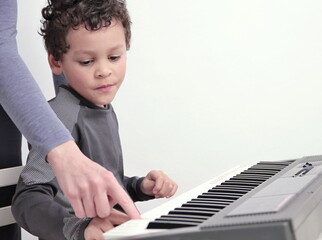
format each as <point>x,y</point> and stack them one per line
<point>102,71</point>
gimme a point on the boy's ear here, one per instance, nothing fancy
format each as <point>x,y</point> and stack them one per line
<point>54,65</point>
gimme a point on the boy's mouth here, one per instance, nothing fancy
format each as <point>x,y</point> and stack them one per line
<point>105,88</point>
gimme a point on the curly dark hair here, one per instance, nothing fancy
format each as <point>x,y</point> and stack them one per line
<point>62,15</point>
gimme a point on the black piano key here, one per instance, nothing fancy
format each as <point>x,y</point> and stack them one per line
<point>185,216</point>
<point>169,224</point>
<point>194,211</point>
<point>240,183</point>
<point>267,174</point>
<point>234,187</point>
<point>279,165</point>
<point>251,179</point>
<point>227,191</point>
<point>179,220</point>
<point>196,208</point>
<point>227,201</point>
<point>260,169</point>
<point>209,202</point>
<point>252,176</point>
<point>224,192</point>
<point>204,205</point>
<point>252,173</point>
<point>248,182</point>
<point>267,167</point>
<point>216,196</point>
<point>260,172</point>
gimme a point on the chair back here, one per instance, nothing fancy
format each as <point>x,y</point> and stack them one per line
<point>8,177</point>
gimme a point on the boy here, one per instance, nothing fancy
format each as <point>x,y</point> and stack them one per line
<point>87,41</point>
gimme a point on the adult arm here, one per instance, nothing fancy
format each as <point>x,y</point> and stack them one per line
<point>90,188</point>
<point>20,95</point>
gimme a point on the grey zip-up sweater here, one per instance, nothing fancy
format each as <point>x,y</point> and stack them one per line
<point>38,204</point>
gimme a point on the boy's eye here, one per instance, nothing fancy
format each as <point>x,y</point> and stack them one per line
<point>85,63</point>
<point>114,58</point>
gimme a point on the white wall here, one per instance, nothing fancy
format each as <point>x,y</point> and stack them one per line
<point>210,84</point>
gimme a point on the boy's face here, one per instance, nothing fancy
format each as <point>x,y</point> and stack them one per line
<point>95,63</point>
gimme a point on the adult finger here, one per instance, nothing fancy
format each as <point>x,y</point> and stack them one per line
<point>102,204</point>
<point>118,194</point>
<point>89,206</point>
<point>113,194</point>
<point>77,205</point>
<point>118,217</point>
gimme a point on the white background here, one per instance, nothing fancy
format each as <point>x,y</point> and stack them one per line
<point>210,84</point>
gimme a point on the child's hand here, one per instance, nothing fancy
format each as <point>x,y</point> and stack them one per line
<point>97,226</point>
<point>158,184</point>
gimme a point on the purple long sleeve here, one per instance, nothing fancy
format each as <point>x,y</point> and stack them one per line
<point>20,95</point>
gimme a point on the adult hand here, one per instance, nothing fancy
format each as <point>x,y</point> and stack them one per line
<point>97,226</point>
<point>90,188</point>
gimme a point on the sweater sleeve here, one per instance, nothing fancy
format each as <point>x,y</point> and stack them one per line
<point>35,210</point>
<point>41,210</point>
<point>20,95</point>
<point>133,187</point>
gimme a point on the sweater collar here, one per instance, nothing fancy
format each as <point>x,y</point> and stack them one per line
<point>83,101</point>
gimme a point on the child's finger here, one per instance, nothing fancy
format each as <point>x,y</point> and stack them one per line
<point>106,225</point>
<point>164,186</point>
<point>167,188</point>
<point>173,190</point>
<point>159,182</point>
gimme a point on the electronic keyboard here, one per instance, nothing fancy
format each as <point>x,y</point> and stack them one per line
<point>278,200</point>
